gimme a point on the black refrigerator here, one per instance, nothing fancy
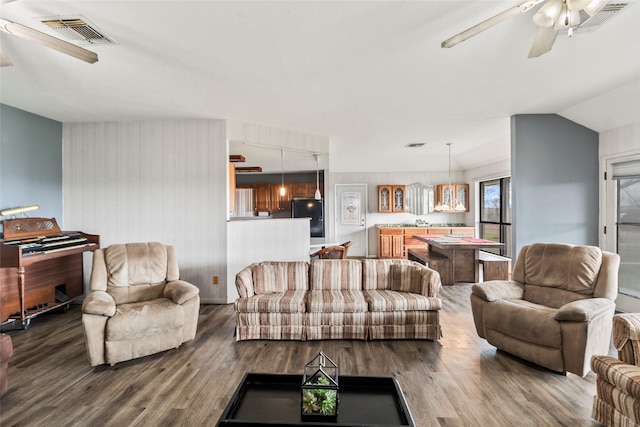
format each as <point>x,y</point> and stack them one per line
<point>310,208</point>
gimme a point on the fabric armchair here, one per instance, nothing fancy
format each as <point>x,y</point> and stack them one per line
<point>617,402</point>
<point>556,311</point>
<point>138,305</point>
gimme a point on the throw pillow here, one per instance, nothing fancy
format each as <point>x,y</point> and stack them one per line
<point>406,278</point>
<point>268,278</point>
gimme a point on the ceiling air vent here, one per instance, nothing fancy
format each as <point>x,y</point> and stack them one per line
<point>592,23</point>
<point>415,145</point>
<point>77,29</point>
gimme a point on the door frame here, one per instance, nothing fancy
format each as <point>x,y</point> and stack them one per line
<point>608,217</point>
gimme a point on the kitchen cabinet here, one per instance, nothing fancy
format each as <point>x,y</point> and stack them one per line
<point>459,192</point>
<point>301,189</point>
<point>263,194</point>
<point>267,198</point>
<point>391,198</point>
<point>390,242</point>
<point>395,242</point>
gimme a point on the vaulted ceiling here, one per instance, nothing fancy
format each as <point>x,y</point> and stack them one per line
<point>370,75</point>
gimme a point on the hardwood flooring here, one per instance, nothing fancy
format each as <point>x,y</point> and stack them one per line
<point>458,381</point>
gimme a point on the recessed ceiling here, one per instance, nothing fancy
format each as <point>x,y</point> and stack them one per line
<point>369,75</point>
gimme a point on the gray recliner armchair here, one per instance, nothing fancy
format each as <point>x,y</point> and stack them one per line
<point>138,305</point>
<point>556,311</point>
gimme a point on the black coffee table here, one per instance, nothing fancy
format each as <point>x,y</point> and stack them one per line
<point>270,399</point>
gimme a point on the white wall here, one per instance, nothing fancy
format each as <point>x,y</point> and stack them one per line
<point>264,240</point>
<point>276,137</point>
<point>152,181</point>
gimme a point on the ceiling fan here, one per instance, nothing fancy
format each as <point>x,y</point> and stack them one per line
<point>552,17</point>
<point>44,39</point>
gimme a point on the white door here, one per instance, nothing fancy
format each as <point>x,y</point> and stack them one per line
<point>351,217</point>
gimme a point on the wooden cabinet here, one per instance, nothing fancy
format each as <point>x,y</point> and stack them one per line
<point>459,193</point>
<point>391,198</point>
<point>302,190</point>
<point>267,197</point>
<point>395,242</point>
<point>390,242</point>
<point>262,194</point>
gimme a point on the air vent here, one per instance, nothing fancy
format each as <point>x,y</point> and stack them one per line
<point>415,145</point>
<point>77,29</point>
<point>592,23</point>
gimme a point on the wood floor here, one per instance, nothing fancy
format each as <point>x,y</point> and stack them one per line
<point>458,381</point>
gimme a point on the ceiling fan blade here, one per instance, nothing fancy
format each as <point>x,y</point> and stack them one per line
<point>543,42</point>
<point>48,41</point>
<point>4,60</point>
<point>491,22</point>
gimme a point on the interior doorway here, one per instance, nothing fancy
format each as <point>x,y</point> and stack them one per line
<point>351,217</point>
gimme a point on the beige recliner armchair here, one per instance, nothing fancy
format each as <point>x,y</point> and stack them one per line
<point>556,311</point>
<point>138,305</point>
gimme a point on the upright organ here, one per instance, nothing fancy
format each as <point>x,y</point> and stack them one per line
<point>41,267</point>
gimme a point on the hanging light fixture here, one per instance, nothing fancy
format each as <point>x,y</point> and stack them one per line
<point>444,207</point>
<point>317,196</point>
<point>282,189</point>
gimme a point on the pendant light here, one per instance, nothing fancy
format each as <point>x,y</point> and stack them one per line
<point>282,190</point>
<point>445,207</point>
<point>317,196</point>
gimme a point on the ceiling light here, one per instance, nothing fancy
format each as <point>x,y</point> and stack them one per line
<point>317,196</point>
<point>282,189</point>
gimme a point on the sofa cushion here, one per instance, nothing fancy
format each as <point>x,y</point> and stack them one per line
<point>141,319</point>
<point>295,274</point>
<point>406,278</point>
<point>283,302</point>
<point>376,272</point>
<point>268,278</point>
<point>387,300</point>
<point>335,274</point>
<point>336,301</point>
<point>524,320</point>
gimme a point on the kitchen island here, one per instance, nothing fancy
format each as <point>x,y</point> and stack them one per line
<point>462,253</point>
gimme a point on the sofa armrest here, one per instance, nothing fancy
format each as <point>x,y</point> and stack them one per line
<point>99,303</point>
<point>583,310</point>
<point>431,282</point>
<point>498,289</point>
<point>244,282</point>
<point>621,375</point>
<point>180,291</point>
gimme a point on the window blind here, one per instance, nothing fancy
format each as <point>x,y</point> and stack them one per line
<point>629,169</point>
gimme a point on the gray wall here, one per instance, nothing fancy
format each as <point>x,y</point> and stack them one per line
<point>554,172</point>
<point>30,162</point>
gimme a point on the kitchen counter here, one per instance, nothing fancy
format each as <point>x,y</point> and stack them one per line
<point>429,225</point>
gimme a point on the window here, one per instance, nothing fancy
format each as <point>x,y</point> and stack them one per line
<point>495,213</point>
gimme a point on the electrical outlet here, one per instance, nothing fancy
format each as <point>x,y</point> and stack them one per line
<point>216,280</point>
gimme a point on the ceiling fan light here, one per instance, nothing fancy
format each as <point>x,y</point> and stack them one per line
<point>568,18</point>
<point>595,6</point>
<point>548,13</point>
<point>577,4</point>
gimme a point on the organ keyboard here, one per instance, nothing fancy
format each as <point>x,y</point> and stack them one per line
<point>41,267</point>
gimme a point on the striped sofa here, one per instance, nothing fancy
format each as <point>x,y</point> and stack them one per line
<point>337,299</point>
<point>617,402</point>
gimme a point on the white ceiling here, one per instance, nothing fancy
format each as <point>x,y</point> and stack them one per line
<point>370,75</point>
